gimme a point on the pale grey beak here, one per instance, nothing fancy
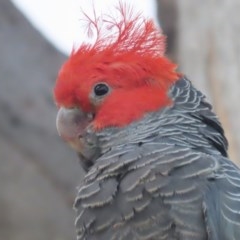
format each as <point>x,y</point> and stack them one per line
<point>71,123</point>
<point>72,126</point>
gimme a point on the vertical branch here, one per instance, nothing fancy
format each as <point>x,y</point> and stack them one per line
<point>168,16</point>
<point>208,52</point>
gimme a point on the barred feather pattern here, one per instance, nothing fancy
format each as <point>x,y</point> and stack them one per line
<point>165,177</point>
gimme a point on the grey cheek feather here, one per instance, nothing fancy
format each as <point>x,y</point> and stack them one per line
<point>166,176</point>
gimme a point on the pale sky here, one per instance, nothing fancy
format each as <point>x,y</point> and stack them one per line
<point>59,20</point>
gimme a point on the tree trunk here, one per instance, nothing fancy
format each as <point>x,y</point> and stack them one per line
<point>167,14</point>
<point>207,48</point>
<point>38,173</point>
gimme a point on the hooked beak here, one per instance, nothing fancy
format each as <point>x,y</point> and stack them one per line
<point>72,126</point>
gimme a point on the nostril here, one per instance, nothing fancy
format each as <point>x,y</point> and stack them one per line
<point>80,136</point>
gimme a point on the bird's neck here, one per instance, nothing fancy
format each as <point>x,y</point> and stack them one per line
<point>188,124</point>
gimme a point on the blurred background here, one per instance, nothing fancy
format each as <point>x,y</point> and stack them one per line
<point>38,172</point>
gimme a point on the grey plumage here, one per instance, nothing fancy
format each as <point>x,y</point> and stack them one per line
<point>166,176</point>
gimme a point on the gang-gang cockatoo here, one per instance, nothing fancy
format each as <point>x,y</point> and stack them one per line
<point>154,152</point>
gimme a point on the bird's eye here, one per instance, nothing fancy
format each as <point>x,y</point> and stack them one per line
<point>101,89</point>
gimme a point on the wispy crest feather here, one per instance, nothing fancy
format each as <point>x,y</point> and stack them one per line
<point>127,32</point>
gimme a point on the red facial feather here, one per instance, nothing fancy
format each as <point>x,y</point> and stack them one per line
<point>132,105</point>
<point>128,54</point>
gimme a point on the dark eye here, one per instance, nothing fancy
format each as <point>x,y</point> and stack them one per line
<point>101,89</point>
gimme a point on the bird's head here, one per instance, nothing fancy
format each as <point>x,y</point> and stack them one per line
<point>114,81</point>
